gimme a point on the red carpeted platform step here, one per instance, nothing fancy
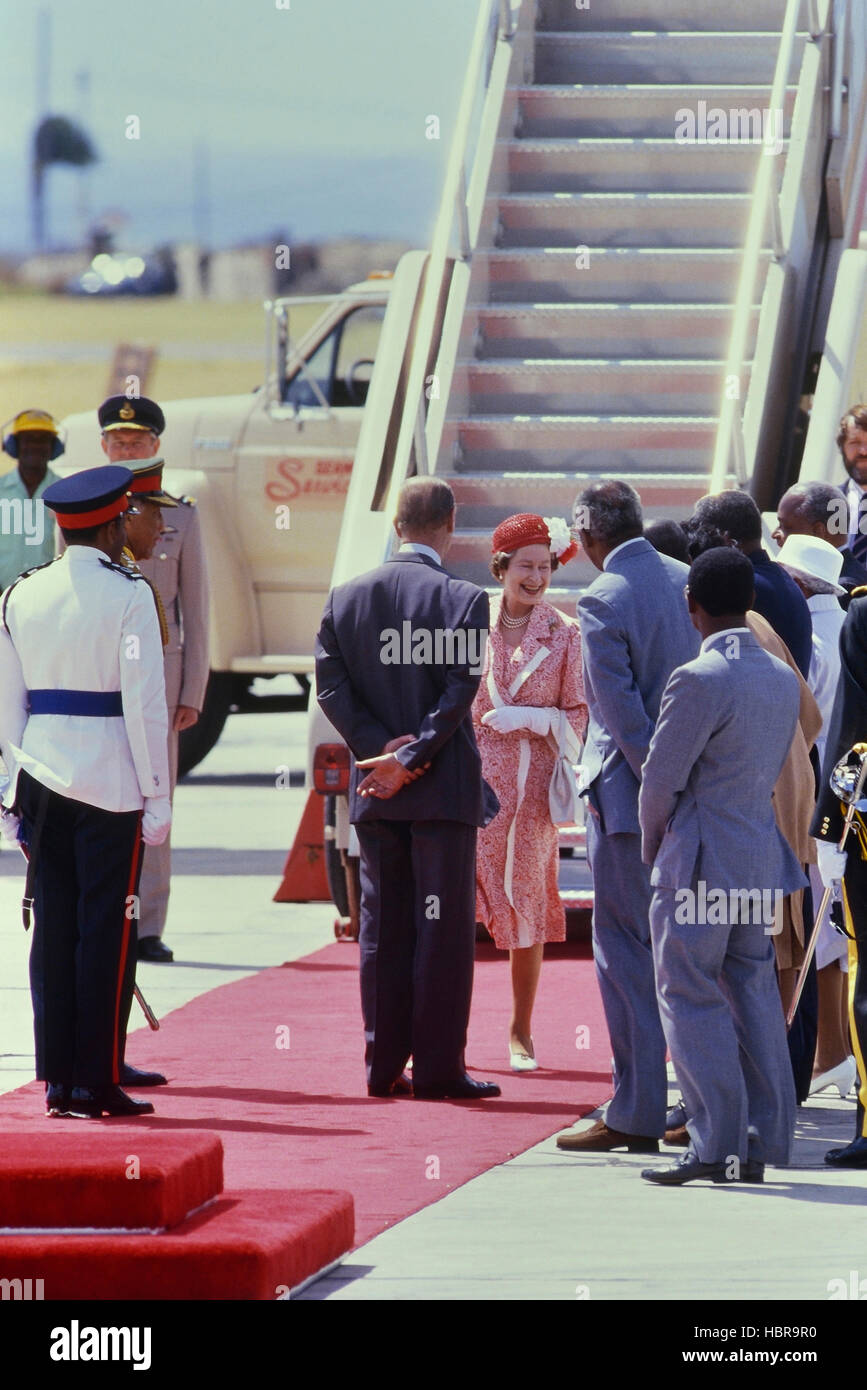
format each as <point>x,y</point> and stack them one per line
<point>243,1245</point>
<point>77,1173</point>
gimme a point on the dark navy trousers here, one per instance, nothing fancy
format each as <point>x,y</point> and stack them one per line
<point>82,961</point>
<point>417,939</point>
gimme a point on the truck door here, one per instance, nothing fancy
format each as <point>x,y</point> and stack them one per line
<point>292,476</point>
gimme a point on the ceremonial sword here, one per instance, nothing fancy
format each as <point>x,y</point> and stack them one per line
<point>853,797</point>
<point>26,909</point>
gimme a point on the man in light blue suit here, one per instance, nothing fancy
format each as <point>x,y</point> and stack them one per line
<point>721,869</point>
<point>635,629</point>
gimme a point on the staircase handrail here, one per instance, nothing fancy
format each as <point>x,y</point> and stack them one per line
<point>730,441</point>
<point>377,477</point>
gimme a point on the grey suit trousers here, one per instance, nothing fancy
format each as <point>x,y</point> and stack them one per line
<point>624,968</point>
<point>724,1025</point>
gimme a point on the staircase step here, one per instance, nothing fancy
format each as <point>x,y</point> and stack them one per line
<point>623,274</point>
<point>586,330</point>
<point>620,219</point>
<point>709,56</point>
<point>630,166</point>
<point>581,111</point>
<point>676,386</point>
<point>486,499</point>
<point>612,444</point>
<point>671,15</point>
<point>470,553</point>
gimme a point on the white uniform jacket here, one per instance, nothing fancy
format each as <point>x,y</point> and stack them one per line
<point>80,624</point>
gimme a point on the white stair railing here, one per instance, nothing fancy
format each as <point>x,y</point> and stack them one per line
<point>733,453</point>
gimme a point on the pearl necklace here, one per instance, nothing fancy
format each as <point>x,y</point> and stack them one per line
<point>514,622</point>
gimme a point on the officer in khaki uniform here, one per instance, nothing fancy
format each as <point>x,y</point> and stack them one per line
<point>131,431</point>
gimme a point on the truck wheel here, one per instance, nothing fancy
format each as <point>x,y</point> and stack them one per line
<point>334,869</point>
<point>196,743</point>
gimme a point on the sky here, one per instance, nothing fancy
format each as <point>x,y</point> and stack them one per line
<point>252,118</point>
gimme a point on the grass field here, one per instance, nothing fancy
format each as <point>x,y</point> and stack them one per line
<point>56,351</point>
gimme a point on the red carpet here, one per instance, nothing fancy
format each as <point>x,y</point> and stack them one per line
<point>298,1116</point>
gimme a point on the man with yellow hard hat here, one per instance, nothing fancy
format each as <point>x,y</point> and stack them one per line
<point>33,439</point>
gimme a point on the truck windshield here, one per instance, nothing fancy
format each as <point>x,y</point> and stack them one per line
<point>342,363</point>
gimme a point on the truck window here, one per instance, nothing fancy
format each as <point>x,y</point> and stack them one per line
<point>342,363</point>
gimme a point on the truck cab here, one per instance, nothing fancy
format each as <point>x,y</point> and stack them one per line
<point>269,472</point>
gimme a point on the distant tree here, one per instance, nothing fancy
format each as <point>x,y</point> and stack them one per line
<point>57,140</point>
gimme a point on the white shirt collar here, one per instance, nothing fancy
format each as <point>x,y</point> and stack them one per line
<point>416,548</point>
<point>87,552</point>
<point>724,632</point>
<point>617,549</point>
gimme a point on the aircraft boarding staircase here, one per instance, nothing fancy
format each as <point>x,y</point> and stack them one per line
<point>624,301</point>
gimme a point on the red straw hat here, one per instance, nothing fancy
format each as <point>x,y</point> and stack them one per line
<point>523,529</point>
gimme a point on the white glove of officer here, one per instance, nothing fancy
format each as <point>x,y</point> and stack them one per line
<point>512,717</point>
<point>831,863</point>
<point>9,826</point>
<point>157,819</point>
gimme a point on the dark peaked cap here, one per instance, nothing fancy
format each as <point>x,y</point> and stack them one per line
<point>140,413</point>
<point>89,498</point>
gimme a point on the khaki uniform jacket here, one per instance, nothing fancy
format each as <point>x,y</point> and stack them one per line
<point>177,570</point>
<point>794,796</point>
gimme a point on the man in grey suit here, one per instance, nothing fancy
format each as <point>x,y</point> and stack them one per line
<point>721,869</point>
<point>635,629</point>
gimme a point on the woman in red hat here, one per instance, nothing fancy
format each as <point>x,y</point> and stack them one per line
<point>530,711</point>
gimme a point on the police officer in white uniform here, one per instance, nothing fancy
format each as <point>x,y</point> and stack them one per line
<point>131,431</point>
<point>83,729</point>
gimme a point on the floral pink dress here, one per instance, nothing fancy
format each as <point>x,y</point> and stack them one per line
<point>519,901</point>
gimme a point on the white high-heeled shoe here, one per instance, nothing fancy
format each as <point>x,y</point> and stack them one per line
<point>842,1076</point>
<point>522,1061</point>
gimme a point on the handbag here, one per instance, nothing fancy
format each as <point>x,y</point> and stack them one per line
<point>565,806</point>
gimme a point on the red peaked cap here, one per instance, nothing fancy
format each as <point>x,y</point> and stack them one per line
<point>523,529</point>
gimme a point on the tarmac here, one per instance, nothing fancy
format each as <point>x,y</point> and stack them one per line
<point>545,1226</point>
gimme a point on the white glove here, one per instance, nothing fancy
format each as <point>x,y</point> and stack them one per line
<point>9,826</point>
<point>512,717</point>
<point>157,819</point>
<point>831,862</point>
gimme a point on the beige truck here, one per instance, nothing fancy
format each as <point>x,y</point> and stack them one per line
<point>269,471</point>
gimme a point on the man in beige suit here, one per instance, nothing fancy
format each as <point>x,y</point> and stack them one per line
<point>131,430</point>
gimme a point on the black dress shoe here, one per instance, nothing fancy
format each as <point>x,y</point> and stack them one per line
<point>675,1116</point>
<point>92,1102</point>
<point>464,1088</point>
<point>131,1076</point>
<point>854,1155</point>
<point>689,1167</point>
<point>57,1098</point>
<point>151,948</point>
<point>401,1087</point>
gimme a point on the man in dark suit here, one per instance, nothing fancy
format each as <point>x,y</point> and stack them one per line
<point>817,509</point>
<point>399,658</point>
<point>737,522</point>
<point>852,443</point>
